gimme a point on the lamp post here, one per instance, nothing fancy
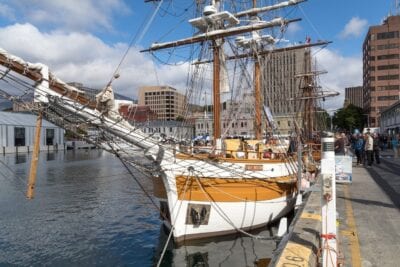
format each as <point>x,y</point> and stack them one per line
<point>367,114</point>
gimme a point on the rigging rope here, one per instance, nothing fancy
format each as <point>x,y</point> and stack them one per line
<point>138,37</point>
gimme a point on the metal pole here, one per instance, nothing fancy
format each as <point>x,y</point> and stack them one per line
<point>328,194</point>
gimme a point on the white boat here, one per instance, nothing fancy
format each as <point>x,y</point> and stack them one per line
<point>233,188</point>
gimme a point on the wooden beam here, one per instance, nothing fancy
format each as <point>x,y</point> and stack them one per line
<point>218,34</point>
<point>264,53</point>
<point>35,158</point>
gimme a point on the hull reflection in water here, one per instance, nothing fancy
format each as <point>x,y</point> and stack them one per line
<point>229,251</point>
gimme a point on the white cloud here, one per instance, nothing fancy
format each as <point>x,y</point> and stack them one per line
<point>6,12</point>
<point>71,15</point>
<point>342,72</point>
<point>85,58</point>
<point>354,28</point>
<point>293,28</point>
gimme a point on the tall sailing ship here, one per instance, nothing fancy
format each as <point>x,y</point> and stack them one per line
<point>233,186</point>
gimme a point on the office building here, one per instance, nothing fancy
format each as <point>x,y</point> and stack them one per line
<point>354,96</point>
<point>282,85</point>
<point>381,50</point>
<point>165,101</point>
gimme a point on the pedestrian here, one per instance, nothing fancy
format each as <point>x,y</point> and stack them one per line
<point>395,143</point>
<point>369,148</point>
<point>358,147</point>
<point>339,144</point>
<point>376,148</point>
<point>384,142</point>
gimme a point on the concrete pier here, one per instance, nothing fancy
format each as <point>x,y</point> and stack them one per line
<point>368,221</point>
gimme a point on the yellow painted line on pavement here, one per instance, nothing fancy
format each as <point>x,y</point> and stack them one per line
<point>295,255</point>
<point>352,231</point>
<point>313,216</point>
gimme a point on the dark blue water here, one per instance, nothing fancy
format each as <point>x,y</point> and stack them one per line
<point>89,211</point>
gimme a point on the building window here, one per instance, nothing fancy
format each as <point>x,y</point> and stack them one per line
<point>373,36</point>
<point>49,137</point>
<point>387,35</point>
<point>19,136</point>
<point>388,87</point>
<point>391,56</point>
<point>388,77</point>
<point>388,46</point>
<point>388,97</point>
<point>388,67</point>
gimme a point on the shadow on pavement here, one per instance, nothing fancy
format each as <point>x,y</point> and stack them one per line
<point>369,202</point>
<point>384,185</point>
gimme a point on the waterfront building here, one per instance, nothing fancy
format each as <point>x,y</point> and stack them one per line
<point>178,130</point>
<point>381,61</point>
<point>354,96</point>
<point>165,101</point>
<point>136,114</point>
<point>390,119</point>
<point>17,131</point>
<point>237,119</point>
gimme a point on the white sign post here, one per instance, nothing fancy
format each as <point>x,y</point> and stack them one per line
<point>328,192</point>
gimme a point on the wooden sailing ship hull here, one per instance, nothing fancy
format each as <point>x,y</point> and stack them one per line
<point>199,204</point>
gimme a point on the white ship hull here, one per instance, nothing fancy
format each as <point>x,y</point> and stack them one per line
<point>201,206</point>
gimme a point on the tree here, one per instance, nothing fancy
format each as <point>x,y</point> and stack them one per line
<point>348,118</point>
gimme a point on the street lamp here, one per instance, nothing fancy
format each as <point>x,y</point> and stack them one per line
<point>367,114</point>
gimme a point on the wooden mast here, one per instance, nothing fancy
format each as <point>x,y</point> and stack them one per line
<point>309,100</point>
<point>215,35</point>
<point>216,92</point>
<point>257,93</point>
<point>35,158</point>
<point>257,96</point>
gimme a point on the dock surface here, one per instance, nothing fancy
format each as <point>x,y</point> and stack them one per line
<point>368,216</point>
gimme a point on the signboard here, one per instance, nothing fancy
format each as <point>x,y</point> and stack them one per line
<point>248,167</point>
<point>343,169</point>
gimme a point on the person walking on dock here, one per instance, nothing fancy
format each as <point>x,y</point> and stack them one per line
<point>339,144</point>
<point>369,148</point>
<point>376,148</point>
<point>395,144</point>
<point>358,147</point>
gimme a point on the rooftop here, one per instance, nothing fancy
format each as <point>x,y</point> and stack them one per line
<point>21,119</point>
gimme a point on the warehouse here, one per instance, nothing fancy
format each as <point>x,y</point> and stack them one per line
<point>17,131</point>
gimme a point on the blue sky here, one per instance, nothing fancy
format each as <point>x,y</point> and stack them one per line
<point>84,40</point>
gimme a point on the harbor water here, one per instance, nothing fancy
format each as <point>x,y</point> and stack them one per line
<point>89,211</point>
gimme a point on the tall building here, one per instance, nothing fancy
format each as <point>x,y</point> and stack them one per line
<point>381,49</point>
<point>279,79</point>
<point>354,96</point>
<point>165,101</point>
<point>280,85</point>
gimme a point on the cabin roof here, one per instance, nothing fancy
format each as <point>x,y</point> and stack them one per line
<point>21,119</point>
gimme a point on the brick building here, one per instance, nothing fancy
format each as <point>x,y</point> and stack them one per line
<point>136,113</point>
<point>381,81</point>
